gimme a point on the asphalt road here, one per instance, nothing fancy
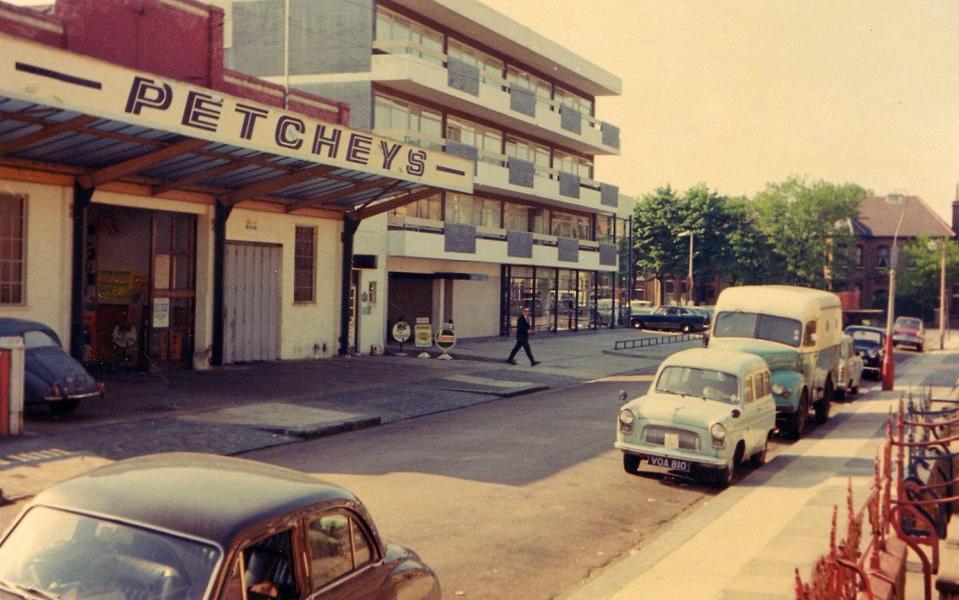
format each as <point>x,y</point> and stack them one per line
<point>520,498</point>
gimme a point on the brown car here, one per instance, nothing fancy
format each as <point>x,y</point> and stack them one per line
<point>186,526</point>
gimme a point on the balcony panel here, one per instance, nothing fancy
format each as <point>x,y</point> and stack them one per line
<point>423,79</point>
<point>495,179</point>
<point>410,239</point>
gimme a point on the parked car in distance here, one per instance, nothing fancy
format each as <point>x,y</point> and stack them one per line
<point>909,331</point>
<point>671,318</point>
<point>706,411</point>
<point>51,376</point>
<point>850,369</point>
<point>869,343</point>
<point>184,526</point>
<point>638,307</point>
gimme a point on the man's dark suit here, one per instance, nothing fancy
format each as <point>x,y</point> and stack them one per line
<point>522,340</point>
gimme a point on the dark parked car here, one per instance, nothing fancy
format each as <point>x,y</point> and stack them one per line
<point>677,318</point>
<point>909,331</point>
<point>869,343</point>
<point>185,526</point>
<point>52,377</point>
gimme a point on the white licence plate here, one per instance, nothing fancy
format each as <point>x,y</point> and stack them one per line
<point>673,464</point>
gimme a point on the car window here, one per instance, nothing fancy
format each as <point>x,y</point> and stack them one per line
<point>866,335</point>
<point>758,326</point>
<point>807,339</point>
<point>38,339</point>
<point>757,380</point>
<point>909,323</point>
<point>337,544</point>
<point>767,387</point>
<point>267,569</point>
<point>81,557</point>
<point>700,383</point>
<point>748,390</point>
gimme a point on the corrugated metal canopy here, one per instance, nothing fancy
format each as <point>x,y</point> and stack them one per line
<point>99,150</point>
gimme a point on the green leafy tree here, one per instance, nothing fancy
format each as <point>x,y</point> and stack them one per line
<point>917,285</point>
<point>807,228</point>
<point>657,219</point>
<point>748,257</point>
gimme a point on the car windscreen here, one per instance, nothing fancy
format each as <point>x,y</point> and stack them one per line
<point>38,339</point>
<point>701,383</point>
<point>861,335</point>
<point>758,326</point>
<point>82,557</point>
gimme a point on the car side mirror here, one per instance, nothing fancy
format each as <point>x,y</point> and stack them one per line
<point>736,413</point>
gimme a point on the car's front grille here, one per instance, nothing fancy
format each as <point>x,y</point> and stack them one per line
<point>687,440</point>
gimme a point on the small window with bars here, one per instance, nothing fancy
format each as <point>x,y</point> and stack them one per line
<point>12,250</point>
<point>304,269</point>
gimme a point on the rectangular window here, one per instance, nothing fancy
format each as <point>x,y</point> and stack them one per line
<point>408,122</point>
<point>400,35</point>
<point>12,248</point>
<point>472,210</point>
<point>490,68</point>
<point>575,101</point>
<point>488,141</point>
<point>529,151</point>
<point>570,163</point>
<point>516,217</point>
<point>427,208</point>
<point>304,257</point>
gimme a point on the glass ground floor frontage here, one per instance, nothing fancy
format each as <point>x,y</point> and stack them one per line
<point>558,299</point>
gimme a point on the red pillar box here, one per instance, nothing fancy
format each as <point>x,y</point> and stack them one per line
<point>11,385</point>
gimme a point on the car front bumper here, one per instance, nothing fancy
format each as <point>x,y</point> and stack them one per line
<point>709,462</point>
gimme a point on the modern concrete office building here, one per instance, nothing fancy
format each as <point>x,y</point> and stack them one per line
<point>456,76</point>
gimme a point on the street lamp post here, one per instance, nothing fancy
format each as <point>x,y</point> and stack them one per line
<point>942,288</point>
<point>888,360</point>
<point>689,276</point>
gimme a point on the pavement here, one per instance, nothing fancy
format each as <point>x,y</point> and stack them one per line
<point>236,409</point>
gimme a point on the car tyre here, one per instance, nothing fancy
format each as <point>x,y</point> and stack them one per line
<point>822,407</point>
<point>919,348</point>
<point>759,459</point>
<point>630,463</point>
<point>796,422</point>
<point>686,328</point>
<point>637,324</point>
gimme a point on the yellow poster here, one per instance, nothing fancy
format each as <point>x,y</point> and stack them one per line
<point>114,286</point>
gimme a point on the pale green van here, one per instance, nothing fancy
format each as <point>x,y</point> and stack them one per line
<point>798,331</point>
<point>706,411</point>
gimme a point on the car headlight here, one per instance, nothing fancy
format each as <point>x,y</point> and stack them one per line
<point>873,354</point>
<point>718,433</point>
<point>779,390</point>
<point>626,419</point>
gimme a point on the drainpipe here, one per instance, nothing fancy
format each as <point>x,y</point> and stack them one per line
<point>221,214</point>
<point>81,200</point>
<point>350,225</point>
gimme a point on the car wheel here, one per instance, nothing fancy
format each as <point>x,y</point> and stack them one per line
<point>840,394</point>
<point>822,407</point>
<point>759,459</point>
<point>630,463</point>
<point>640,325</point>
<point>796,422</point>
<point>854,388</point>
<point>63,407</point>
<point>686,328</point>
<point>919,348</point>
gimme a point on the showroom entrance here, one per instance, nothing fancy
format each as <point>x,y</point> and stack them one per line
<point>139,290</point>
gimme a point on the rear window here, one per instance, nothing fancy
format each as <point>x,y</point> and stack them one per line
<point>865,335</point>
<point>909,323</point>
<point>38,339</point>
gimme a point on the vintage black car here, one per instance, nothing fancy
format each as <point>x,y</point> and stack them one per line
<point>870,345</point>
<point>52,377</point>
<point>675,318</point>
<point>185,526</point>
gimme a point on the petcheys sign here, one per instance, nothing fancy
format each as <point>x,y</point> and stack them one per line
<point>54,77</point>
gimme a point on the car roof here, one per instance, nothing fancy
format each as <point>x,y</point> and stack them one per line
<point>775,299</point>
<point>12,326</point>
<point>202,495</point>
<point>865,328</point>
<point>727,361</point>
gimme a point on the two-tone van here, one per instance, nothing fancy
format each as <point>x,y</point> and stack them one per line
<point>798,331</point>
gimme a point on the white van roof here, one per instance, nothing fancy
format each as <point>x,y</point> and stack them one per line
<point>774,299</point>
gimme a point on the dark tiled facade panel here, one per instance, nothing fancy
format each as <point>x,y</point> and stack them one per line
<point>459,238</point>
<point>519,244</point>
<point>462,76</point>
<point>568,249</point>
<point>569,184</point>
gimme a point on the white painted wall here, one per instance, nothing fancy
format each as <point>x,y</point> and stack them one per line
<point>371,239</point>
<point>304,328</point>
<point>49,233</point>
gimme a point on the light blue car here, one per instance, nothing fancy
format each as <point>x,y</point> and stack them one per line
<point>706,411</point>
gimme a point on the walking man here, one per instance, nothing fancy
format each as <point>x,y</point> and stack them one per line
<point>522,339</point>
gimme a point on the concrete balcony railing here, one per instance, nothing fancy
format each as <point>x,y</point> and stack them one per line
<point>423,238</point>
<point>463,88</point>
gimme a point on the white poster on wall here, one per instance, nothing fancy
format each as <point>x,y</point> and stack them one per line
<point>161,312</point>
